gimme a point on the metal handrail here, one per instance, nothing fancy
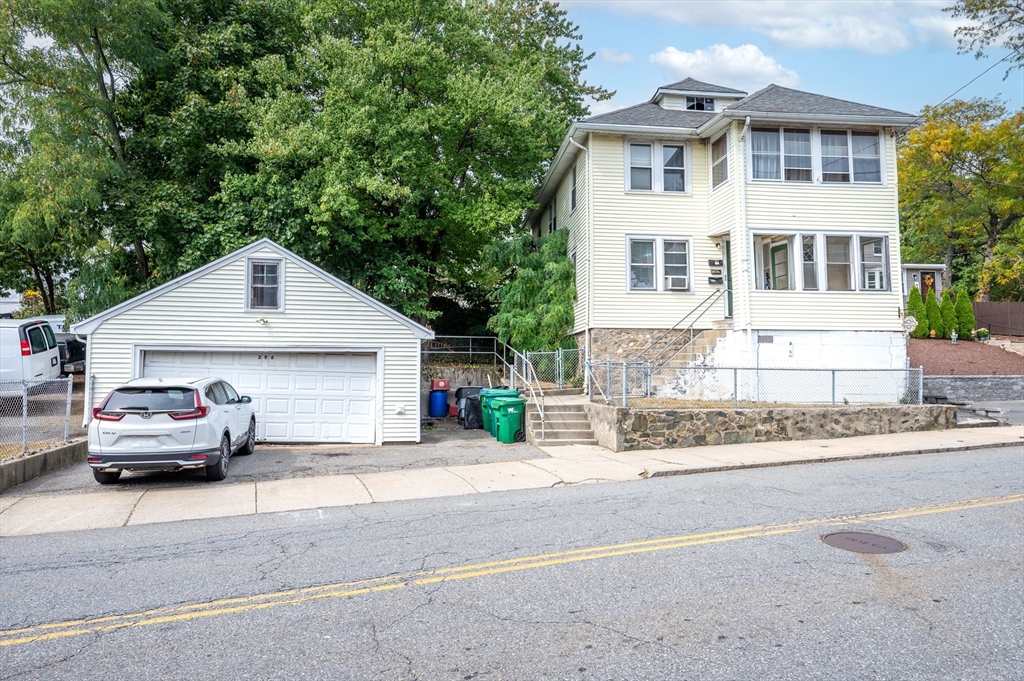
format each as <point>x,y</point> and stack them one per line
<point>710,300</point>
<point>639,357</point>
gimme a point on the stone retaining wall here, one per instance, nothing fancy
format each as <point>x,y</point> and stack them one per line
<point>975,388</point>
<point>620,345</point>
<point>624,429</point>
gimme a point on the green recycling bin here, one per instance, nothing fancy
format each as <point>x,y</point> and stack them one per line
<point>485,406</point>
<point>508,413</point>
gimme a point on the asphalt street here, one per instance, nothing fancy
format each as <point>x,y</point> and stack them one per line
<point>716,576</point>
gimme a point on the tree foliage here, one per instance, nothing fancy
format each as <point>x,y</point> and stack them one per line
<point>388,142</point>
<point>916,309</point>
<point>991,22</point>
<point>961,175</point>
<point>964,316</point>
<point>948,312</point>
<point>536,301</point>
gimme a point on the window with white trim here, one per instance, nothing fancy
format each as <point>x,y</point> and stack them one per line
<point>789,154</point>
<point>572,190</point>
<point>822,261</point>
<point>719,160</point>
<point>552,217</point>
<point>839,263</point>
<point>700,103</point>
<point>657,167</point>
<point>641,167</point>
<point>265,284</point>
<point>781,153</point>
<point>659,264</point>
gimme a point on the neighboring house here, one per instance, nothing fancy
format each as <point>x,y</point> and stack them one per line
<point>784,201</point>
<point>322,361</point>
<point>925,277</point>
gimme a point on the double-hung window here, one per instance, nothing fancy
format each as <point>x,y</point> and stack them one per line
<point>641,167</point>
<point>809,257</point>
<point>659,264</point>
<point>719,161</point>
<point>839,263</point>
<point>572,190</point>
<point>265,285</point>
<point>781,153</point>
<point>872,263</point>
<point>552,216</point>
<point>657,167</point>
<point>867,157</point>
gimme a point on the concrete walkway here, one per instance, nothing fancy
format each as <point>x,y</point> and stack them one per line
<point>572,465</point>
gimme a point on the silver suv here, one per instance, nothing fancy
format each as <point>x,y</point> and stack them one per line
<point>158,424</point>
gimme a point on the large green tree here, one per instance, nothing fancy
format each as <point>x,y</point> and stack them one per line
<point>407,135</point>
<point>961,175</point>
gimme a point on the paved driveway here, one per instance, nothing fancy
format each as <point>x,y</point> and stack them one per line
<point>444,445</point>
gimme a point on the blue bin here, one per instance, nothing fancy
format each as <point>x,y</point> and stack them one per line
<point>438,406</point>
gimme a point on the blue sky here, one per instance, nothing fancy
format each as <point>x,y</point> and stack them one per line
<point>898,55</point>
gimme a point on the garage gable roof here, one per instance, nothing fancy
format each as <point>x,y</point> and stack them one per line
<point>89,325</point>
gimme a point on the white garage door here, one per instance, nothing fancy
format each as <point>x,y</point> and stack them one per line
<point>297,396</point>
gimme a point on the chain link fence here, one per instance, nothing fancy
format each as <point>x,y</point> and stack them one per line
<point>559,368</point>
<point>697,387</point>
<point>34,415</point>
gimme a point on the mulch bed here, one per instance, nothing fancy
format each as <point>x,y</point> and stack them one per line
<point>963,358</point>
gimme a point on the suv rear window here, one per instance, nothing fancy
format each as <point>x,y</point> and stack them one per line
<point>151,399</point>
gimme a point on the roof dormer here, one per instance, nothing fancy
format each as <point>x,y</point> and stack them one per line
<point>693,95</point>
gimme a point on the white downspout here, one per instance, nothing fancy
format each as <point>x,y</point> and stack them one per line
<point>586,232</point>
<point>746,257</point>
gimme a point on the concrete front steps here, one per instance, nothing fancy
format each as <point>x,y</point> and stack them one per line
<point>565,424</point>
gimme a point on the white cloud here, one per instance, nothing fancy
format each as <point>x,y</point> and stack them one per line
<point>872,26</point>
<point>744,67</point>
<point>610,54</point>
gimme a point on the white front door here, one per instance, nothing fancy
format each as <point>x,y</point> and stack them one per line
<point>297,396</point>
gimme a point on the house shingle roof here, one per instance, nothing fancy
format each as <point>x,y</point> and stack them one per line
<point>650,114</point>
<point>696,86</point>
<point>778,99</point>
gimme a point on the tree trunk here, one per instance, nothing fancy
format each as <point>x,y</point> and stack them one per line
<point>140,256</point>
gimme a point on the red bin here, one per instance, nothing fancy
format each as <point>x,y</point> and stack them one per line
<point>441,384</point>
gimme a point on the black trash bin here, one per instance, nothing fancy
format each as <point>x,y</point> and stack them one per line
<point>473,417</point>
<point>460,397</point>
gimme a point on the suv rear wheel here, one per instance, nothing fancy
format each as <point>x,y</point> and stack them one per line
<point>106,477</point>
<point>219,470</point>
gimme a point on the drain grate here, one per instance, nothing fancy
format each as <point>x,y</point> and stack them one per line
<point>863,542</point>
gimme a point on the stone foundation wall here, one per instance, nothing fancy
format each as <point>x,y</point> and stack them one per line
<point>975,388</point>
<point>620,345</point>
<point>624,429</point>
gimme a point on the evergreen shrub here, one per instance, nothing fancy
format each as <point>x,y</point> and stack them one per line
<point>934,316</point>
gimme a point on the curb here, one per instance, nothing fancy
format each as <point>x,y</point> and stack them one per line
<point>17,471</point>
<point>830,459</point>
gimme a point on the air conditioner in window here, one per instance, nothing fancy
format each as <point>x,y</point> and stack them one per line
<point>677,283</point>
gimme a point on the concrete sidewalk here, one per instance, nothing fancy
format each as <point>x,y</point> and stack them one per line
<point>572,465</point>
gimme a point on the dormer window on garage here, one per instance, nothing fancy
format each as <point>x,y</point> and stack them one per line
<point>700,104</point>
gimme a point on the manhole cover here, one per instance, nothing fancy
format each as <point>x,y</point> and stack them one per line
<point>863,542</point>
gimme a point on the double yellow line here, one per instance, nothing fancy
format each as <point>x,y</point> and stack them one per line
<point>58,630</point>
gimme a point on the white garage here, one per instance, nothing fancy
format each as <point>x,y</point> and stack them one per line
<point>322,362</point>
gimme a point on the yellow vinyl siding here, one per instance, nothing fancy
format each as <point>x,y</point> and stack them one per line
<point>209,311</point>
<point>618,213</point>
<point>722,204</point>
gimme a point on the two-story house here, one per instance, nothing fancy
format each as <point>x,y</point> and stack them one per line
<point>782,200</point>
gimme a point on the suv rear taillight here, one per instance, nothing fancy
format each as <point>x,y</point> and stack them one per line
<point>26,350</point>
<point>200,411</point>
<point>99,415</point>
